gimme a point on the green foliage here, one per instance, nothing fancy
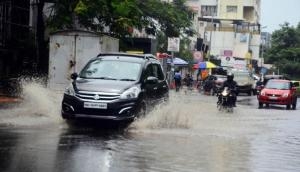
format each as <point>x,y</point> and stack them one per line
<point>285,50</point>
<point>121,15</point>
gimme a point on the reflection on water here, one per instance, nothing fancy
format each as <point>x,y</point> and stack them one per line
<point>187,134</point>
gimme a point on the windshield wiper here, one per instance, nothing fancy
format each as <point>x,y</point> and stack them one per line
<point>105,78</point>
<point>127,79</point>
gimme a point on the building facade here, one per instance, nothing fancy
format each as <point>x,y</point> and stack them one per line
<point>229,29</point>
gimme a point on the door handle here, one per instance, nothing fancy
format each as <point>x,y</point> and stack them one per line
<point>155,88</point>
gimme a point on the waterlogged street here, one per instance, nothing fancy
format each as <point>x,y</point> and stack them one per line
<point>187,135</point>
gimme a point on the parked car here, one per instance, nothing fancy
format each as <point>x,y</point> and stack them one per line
<point>116,87</point>
<point>278,91</point>
<point>296,84</point>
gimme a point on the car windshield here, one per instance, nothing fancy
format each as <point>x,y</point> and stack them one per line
<point>278,85</point>
<point>242,77</point>
<point>111,70</point>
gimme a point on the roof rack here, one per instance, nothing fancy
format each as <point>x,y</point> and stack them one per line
<point>149,56</point>
<point>145,56</point>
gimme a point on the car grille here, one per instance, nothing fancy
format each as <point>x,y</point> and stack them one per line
<point>273,95</point>
<point>97,96</point>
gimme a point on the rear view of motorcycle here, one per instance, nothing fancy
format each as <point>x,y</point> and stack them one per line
<point>225,102</point>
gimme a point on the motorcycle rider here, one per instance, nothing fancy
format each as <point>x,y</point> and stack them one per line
<point>232,85</point>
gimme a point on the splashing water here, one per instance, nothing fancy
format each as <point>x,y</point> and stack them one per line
<point>198,115</point>
<point>39,106</point>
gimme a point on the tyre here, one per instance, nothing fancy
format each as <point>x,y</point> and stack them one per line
<point>260,105</point>
<point>249,93</point>
<point>141,110</point>
<point>294,105</point>
<point>288,106</point>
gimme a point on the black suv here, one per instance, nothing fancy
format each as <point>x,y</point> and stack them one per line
<point>115,86</point>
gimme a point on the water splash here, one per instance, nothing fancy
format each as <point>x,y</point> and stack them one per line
<point>198,115</point>
<point>39,106</point>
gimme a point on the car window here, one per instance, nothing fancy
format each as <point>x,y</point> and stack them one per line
<point>157,70</point>
<point>111,69</point>
<point>154,70</point>
<point>278,85</point>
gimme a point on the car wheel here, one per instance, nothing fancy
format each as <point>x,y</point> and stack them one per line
<point>141,110</point>
<point>294,105</point>
<point>254,92</point>
<point>249,93</point>
<point>260,105</point>
<point>288,106</point>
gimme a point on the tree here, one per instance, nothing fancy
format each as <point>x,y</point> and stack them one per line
<point>117,17</point>
<point>285,50</point>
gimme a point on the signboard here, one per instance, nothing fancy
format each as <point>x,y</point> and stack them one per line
<point>231,62</point>
<point>197,55</point>
<point>173,44</point>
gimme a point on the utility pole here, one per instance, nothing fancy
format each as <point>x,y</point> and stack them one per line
<point>210,37</point>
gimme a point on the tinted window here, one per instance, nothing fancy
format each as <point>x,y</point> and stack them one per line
<point>154,70</point>
<point>157,71</point>
<point>111,69</point>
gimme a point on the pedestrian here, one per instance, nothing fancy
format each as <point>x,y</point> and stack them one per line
<point>177,78</point>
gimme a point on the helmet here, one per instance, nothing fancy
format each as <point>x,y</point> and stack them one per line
<point>230,76</point>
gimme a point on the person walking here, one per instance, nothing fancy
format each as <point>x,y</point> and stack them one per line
<point>177,78</point>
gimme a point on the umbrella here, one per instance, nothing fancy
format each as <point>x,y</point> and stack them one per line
<point>205,65</point>
<point>178,61</point>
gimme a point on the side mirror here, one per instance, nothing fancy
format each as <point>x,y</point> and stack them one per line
<point>151,80</point>
<point>294,88</point>
<point>74,76</point>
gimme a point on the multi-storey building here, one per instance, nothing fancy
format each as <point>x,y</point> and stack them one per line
<point>229,29</point>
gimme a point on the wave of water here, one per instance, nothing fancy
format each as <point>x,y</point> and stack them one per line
<point>38,106</point>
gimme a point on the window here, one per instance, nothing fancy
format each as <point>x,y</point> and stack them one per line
<point>154,70</point>
<point>158,72</point>
<point>111,69</point>
<point>231,9</point>
<point>207,10</point>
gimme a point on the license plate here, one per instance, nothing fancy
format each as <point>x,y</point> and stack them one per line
<point>273,98</point>
<point>95,105</point>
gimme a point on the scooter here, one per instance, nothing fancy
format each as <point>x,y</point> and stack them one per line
<point>225,100</point>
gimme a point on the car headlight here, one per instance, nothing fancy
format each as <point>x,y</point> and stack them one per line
<point>132,92</point>
<point>262,93</point>
<point>285,95</point>
<point>70,90</point>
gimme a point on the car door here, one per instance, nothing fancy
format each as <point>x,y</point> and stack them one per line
<point>162,85</point>
<point>150,88</point>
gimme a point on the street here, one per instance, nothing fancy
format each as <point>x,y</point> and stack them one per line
<point>187,135</point>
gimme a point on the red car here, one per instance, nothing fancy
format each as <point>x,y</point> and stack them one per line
<point>278,91</point>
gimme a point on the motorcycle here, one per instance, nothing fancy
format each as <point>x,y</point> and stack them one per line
<point>225,100</point>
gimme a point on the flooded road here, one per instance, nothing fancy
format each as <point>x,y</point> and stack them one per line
<point>187,135</point>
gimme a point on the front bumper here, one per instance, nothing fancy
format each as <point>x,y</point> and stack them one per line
<point>117,110</point>
<point>275,100</point>
<point>244,88</point>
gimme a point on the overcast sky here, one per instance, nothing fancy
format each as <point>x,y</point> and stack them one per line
<point>276,12</point>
